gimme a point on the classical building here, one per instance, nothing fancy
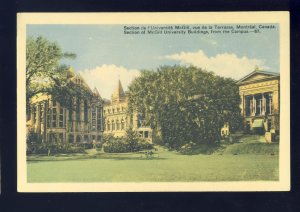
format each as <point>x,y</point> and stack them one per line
<point>50,121</point>
<point>259,92</point>
<point>117,119</point>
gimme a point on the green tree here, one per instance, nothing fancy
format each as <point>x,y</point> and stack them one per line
<point>185,104</point>
<point>132,139</point>
<point>44,72</point>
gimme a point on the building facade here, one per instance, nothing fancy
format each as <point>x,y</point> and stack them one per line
<point>260,101</point>
<point>117,119</point>
<point>52,122</point>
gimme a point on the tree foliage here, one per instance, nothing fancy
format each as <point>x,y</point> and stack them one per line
<point>44,73</point>
<point>130,143</point>
<point>185,104</point>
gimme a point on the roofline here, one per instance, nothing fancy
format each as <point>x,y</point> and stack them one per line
<point>87,85</point>
<point>254,72</point>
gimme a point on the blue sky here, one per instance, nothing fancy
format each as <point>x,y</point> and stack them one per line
<point>104,51</point>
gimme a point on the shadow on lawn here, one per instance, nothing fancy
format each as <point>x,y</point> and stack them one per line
<point>101,156</point>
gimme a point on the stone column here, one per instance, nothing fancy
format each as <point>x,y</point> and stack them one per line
<point>57,113</point>
<point>45,107</point>
<point>89,114</point>
<point>38,123</point>
<point>74,121</point>
<point>275,102</point>
<point>263,104</point>
<point>81,115</point>
<point>242,103</point>
<point>101,118</point>
<point>253,106</point>
<point>32,114</point>
<point>67,119</point>
<point>276,109</point>
<point>74,118</point>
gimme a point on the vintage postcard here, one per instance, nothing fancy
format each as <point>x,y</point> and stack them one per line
<point>112,102</point>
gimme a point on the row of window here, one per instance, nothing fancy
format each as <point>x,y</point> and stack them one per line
<point>96,118</point>
<point>52,118</point>
<point>259,104</point>
<point>57,118</point>
<point>115,126</point>
<point>59,137</point>
<point>85,138</point>
<point>114,110</point>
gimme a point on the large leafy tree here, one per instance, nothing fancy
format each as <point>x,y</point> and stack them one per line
<point>47,75</point>
<point>185,104</point>
<point>44,72</point>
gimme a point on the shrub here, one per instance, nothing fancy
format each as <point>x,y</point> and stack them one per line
<point>53,148</point>
<point>122,145</point>
<point>85,145</point>
<point>130,143</point>
<point>108,137</point>
<point>33,137</point>
<point>144,145</point>
<point>115,146</point>
<point>276,138</point>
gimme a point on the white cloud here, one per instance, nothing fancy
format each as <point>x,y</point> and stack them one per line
<point>105,78</point>
<point>225,64</point>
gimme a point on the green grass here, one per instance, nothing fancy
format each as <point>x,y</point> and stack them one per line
<point>253,148</point>
<point>250,144</point>
<point>168,167</point>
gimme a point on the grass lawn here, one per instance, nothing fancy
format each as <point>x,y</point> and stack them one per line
<point>168,167</point>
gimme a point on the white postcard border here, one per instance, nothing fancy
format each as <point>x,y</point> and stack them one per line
<point>282,18</point>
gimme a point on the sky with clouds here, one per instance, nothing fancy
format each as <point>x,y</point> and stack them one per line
<point>105,54</point>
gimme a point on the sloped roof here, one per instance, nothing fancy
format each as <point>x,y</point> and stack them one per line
<point>264,74</point>
<point>119,93</point>
<point>78,79</point>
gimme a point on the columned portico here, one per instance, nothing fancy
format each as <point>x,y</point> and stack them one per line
<point>259,92</point>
